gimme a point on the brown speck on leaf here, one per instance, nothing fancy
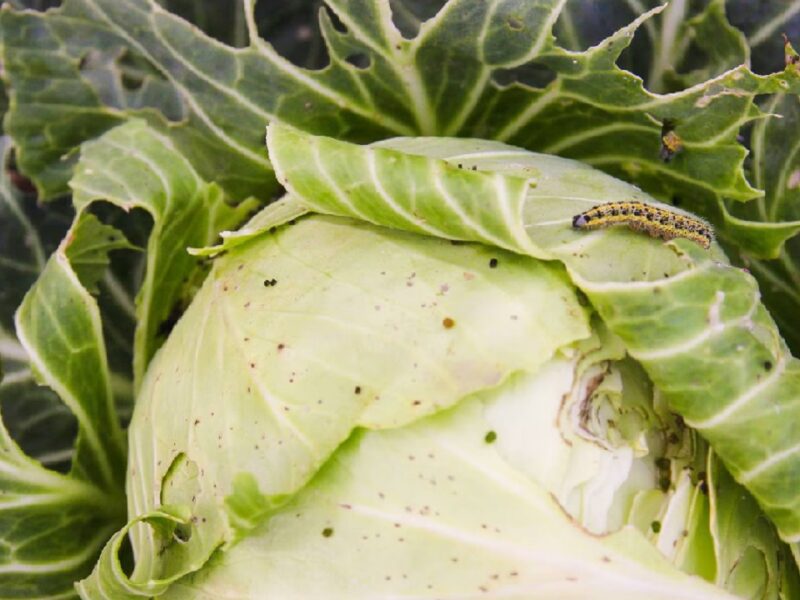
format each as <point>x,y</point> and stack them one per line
<point>416,402</point>
<point>448,323</point>
<point>197,421</point>
<point>357,390</point>
<point>281,347</point>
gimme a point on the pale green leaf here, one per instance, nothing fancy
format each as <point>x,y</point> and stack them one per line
<point>34,417</point>
<point>744,541</point>
<point>135,166</point>
<point>454,520</point>
<point>266,378</point>
<point>53,526</point>
<point>694,322</point>
<point>59,327</point>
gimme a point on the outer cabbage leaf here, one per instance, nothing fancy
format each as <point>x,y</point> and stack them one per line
<point>694,322</point>
<point>441,81</point>
<point>53,526</point>
<point>34,416</point>
<point>265,379</point>
<point>776,167</point>
<point>59,328</point>
<point>135,166</point>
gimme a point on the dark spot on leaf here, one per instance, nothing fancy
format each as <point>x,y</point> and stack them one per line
<point>357,390</point>
<point>515,24</point>
<point>448,323</point>
<point>655,526</point>
<point>327,532</point>
<point>490,437</point>
<point>767,365</point>
<point>493,263</point>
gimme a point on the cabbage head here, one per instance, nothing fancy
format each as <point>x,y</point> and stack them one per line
<point>411,377</point>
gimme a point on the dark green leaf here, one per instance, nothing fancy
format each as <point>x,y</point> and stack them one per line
<point>379,83</point>
<point>776,167</point>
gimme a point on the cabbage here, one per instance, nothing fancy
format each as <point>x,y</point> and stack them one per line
<point>439,389</point>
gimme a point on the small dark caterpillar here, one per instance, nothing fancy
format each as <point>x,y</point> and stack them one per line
<point>657,222</point>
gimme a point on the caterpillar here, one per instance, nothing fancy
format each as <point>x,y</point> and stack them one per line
<point>655,221</point>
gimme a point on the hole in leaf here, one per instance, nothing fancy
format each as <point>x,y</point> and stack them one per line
<point>223,21</point>
<point>335,20</point>
<point>409,15</point>
<point>580,26</point>
<point>515,23</point>
<point>359,60</point>
<point>134,70</point>
<point>183,533</point>
<point>292,28</point>
<point>533,74</point>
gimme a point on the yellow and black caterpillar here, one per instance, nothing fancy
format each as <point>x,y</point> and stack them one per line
<point>657,222</point>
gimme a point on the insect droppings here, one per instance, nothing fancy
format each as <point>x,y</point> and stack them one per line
<point>639,216</point>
